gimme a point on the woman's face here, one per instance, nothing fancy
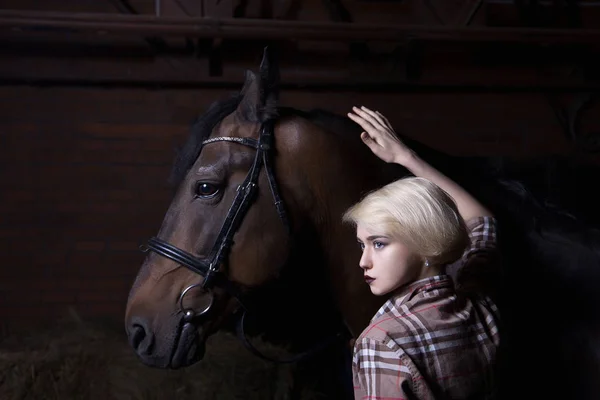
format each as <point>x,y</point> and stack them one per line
<point>387,263</point>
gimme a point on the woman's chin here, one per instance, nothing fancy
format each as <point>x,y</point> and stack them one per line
<point>378,292</point>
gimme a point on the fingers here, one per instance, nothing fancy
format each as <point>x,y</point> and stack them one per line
<point>366,125</point>
<point>375,115</point>
<point>385,120</point>
<point>377,119</point>
<point>368,117</point>
<point>360,120</point>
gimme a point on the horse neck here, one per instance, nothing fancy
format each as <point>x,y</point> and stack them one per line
<point>340,173</point>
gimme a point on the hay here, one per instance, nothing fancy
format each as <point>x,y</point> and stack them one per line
<point>74,359</point>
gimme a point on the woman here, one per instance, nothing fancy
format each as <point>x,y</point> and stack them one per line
<point>431,247</point>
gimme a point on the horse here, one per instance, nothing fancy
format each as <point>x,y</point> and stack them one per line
<point>254,231</point>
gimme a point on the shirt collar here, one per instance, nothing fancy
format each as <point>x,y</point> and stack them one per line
<point>425,285</point>
<point>406,293</point>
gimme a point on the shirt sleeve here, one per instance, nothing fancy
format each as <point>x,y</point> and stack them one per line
<point>478,270</point>
<point>378,372</point>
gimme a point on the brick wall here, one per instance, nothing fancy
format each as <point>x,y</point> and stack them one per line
<point>83,177</point>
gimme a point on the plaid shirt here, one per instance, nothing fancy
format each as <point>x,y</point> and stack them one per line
<point>438,337</point>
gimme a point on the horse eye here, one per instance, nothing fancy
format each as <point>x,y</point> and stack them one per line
<point>206,190</point>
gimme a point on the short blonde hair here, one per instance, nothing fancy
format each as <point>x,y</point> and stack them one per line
<point>418,213</point>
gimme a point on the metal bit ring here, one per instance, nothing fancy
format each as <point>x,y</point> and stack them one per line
<point>188,313</point>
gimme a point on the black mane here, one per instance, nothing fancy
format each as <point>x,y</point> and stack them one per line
<point>200,130</point>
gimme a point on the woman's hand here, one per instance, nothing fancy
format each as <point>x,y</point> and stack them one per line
<point>382,140</point>
<point>379,136</point>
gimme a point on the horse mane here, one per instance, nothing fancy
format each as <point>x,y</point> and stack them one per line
<point>200,130</point>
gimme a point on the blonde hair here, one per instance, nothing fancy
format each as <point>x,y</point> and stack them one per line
<point>419,214</point>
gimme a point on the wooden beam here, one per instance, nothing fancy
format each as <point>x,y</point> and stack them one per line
<point>252,29</point>
<point>341,74</point>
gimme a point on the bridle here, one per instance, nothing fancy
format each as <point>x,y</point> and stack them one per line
<point>210,267</point>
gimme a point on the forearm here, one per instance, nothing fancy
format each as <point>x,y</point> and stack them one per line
<point>467,205</point>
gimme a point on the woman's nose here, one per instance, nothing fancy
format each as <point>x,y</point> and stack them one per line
<point>365,260</point>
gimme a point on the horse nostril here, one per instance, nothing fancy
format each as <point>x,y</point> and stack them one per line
<point>140,337</point>
<point>136,336</point>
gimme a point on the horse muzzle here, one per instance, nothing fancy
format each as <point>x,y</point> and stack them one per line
<point>177,344</point>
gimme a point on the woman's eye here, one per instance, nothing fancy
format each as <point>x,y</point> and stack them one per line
<point>206,190</point>
<point>362,246</point>
<point>378,245</point>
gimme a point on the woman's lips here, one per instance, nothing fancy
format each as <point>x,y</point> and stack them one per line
<point>368,279</point>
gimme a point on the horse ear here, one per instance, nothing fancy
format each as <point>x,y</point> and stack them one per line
<point>260,94</point>
<point>269,78</point>
<point>248,109</point>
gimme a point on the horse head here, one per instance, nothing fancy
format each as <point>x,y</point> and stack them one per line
<point>254,227</point>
